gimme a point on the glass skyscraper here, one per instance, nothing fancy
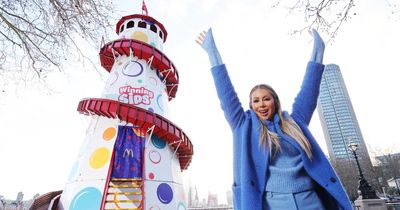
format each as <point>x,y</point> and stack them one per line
<point>338,120</point>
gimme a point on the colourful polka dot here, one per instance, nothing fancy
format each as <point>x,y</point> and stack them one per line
<point>132,69</point>
<point>151,175</point>
<point>153,44</point>
<point>159,102</point>
<point>88,199</point>
<point>181,206</point>
<point>138,35</point>
<point>154,157</point>
<point>150,109</point>
<point>140,81</point>
<point>153,81</point>
<point>154,208</point>
<point>99,158</point>
<point>182,195</point>
<point>164,193</point>
<point>157,142</point>
<point>109,133</point>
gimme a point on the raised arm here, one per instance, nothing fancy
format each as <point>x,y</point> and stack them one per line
<point>306,100</point>
<point>317,54</point>
<point>206,41</point>
<point>230,103</point>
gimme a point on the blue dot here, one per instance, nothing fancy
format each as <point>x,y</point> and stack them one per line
<point>164,193</point>
<point>181,206</point>
<point>150,109</point>
<point>158,143</point>
<point>87,199</point>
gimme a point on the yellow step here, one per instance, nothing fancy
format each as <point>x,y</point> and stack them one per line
<point>125,185</point>
<point>124,198</point>
<point>127,179</point>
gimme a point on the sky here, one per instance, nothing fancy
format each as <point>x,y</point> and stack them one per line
<point>41,131</point>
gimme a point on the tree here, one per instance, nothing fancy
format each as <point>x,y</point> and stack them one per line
<point>394,7</point>
<point>328,15</point>
<point>347,172</point>
<point>37,36</point>
<point>390,164</point>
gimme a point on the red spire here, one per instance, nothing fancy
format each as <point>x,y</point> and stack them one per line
<point>144,8</point>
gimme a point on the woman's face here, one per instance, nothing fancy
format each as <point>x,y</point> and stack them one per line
<point>263,104</point>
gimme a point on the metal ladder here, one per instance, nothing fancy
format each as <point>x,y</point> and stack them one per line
<point>124,194</point>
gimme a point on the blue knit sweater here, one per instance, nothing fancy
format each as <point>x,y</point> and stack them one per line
<point>286,172</point>
<point>251,161</point>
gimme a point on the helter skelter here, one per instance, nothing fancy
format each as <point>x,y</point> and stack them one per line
<point>132,156</point>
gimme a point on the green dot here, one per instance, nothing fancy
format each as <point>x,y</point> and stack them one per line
<point>140,81</point>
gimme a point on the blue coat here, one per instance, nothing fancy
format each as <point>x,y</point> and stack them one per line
<point>251,160</point>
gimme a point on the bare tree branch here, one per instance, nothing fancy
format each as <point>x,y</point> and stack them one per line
<point>323,15</point>
<point>394,7</point>
<point>39,35</point>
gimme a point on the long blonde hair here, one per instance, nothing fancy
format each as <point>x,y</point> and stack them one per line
<point>288,126</point>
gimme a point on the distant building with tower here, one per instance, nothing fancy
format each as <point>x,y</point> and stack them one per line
<point>338,120</point>
<point>212,200</point>
<point>229,197</point>
<point>193,197</point>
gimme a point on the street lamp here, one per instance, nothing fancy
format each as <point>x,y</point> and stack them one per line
<point>366,190</point>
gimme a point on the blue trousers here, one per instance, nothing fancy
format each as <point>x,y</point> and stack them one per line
<point>307,200</point>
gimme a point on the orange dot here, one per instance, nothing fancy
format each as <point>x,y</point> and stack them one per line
<point>140,36</point>
<point>109,133</point>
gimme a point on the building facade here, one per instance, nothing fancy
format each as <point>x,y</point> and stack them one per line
<point>338,120</point>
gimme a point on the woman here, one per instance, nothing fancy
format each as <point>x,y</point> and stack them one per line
<point>277,162</point>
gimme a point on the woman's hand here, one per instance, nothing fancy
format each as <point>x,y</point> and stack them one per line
<point>206,41</point>
<point>200,38</point>
<point>317,54</point>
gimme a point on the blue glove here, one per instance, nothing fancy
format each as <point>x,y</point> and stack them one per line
<point>317,54</point>
<point>206,41</point>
